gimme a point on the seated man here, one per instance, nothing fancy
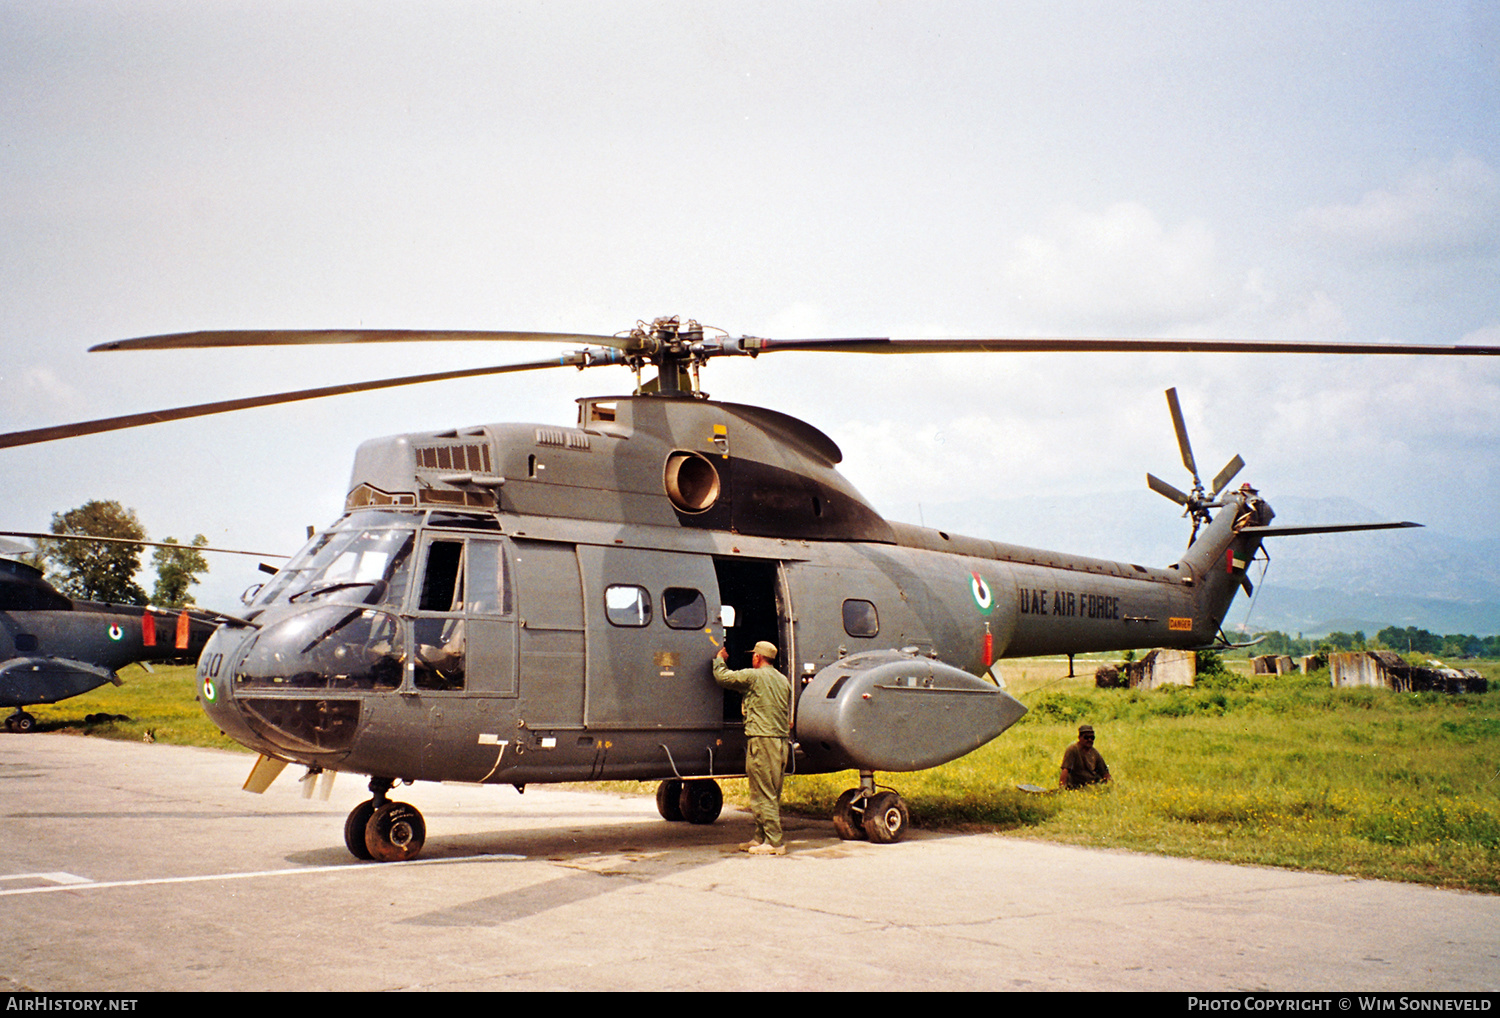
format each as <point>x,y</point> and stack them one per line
<point>1081,763</point>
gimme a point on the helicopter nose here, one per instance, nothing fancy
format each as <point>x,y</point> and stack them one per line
<point>216,663</point>
<point>296,688</point>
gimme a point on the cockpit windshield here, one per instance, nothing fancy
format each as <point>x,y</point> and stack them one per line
<point>350,563</point>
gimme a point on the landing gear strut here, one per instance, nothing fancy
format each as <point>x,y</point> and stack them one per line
<point>383,830</point>
<point>864,812</point>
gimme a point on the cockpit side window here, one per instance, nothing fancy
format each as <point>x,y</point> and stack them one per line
<point>439,643</point>
<point>489,584</point>
<point>442,581</point>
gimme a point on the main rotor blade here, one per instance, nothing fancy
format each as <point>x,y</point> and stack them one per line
<point>1161,487</point>
<point>578,358</point>
<point>305,337</point>
<point>1226,475</point>
<point>750,344</point>
<point>1182,437</point>
<point>38,535</point>
<point>1335,528</point>
<point>886,345</point>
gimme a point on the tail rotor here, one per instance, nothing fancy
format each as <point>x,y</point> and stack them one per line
<point>1197,503</point>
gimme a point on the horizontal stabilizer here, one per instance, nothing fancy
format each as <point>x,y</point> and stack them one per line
<point>1333,528</point>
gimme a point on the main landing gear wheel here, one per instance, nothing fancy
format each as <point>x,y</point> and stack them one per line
<point>700,801</point>
<point>20,721</point>
<point>849,816</point>
<point>668,794</point>
<point>886,818</point>
<point>395,832</point>
<point>354,829</point>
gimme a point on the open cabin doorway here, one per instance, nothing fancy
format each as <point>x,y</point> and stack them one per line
<point>751,592</point>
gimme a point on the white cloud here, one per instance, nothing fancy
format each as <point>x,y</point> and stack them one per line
<point>1443,210</point>
<point>1119,268</point>
<point>35,393</point>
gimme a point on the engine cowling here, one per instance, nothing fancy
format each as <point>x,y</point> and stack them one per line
<point>894,710</point>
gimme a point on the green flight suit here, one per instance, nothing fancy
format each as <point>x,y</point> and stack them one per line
<point>1084,765</point>
<point>767,707</point>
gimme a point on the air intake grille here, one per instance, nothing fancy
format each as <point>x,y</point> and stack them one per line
<point>562,438</point>
<point>472,456</point>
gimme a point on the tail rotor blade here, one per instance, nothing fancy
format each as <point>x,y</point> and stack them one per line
<point>1182,436</point>
<point>1161,487</point>
<point>1226,475</point>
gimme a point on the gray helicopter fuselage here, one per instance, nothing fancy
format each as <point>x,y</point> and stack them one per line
<point>517,604</point>
<point>53,648</point>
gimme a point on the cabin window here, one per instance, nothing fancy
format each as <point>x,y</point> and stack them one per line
<point>684,608</point>
<point>860,618</point>
<point>626,605</point>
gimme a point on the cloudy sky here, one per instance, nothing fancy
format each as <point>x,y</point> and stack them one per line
<point>1258,170</point>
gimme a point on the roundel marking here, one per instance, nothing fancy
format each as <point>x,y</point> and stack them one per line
<point>116,633</point>
<point>981,591</point>
<point>209,693</point>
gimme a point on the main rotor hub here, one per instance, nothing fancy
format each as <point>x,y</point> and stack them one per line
<point>674,349</point>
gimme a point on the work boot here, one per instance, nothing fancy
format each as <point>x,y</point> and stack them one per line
<point>764,849</point>
<point>749,845</point>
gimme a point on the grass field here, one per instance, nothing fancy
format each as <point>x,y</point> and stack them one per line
<point>158,706</point>
<point>1280,771</point>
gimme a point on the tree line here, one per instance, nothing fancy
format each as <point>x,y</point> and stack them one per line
<point>1407,640</point>
<point>105,571</point>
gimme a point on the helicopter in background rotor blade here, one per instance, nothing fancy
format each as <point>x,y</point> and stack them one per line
<point>514,603</point>
<point>53,647</point>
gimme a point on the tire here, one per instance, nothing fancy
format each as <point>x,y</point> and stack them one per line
<point>886,818</point>
<point>354,829</point>
<point>395,833</point>
<point>668,796</point>
<point>21,722</point>
<point>700,801</point>
<point>848,813</point>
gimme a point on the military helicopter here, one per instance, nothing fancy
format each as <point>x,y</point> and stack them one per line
<point>513,603</point>
<point>53,647</point>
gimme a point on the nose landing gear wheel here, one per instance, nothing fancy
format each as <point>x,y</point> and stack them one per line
<point>395,832</point>
<point>354,829</point>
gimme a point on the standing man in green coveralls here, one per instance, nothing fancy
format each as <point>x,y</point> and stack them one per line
<point>767,706</point>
